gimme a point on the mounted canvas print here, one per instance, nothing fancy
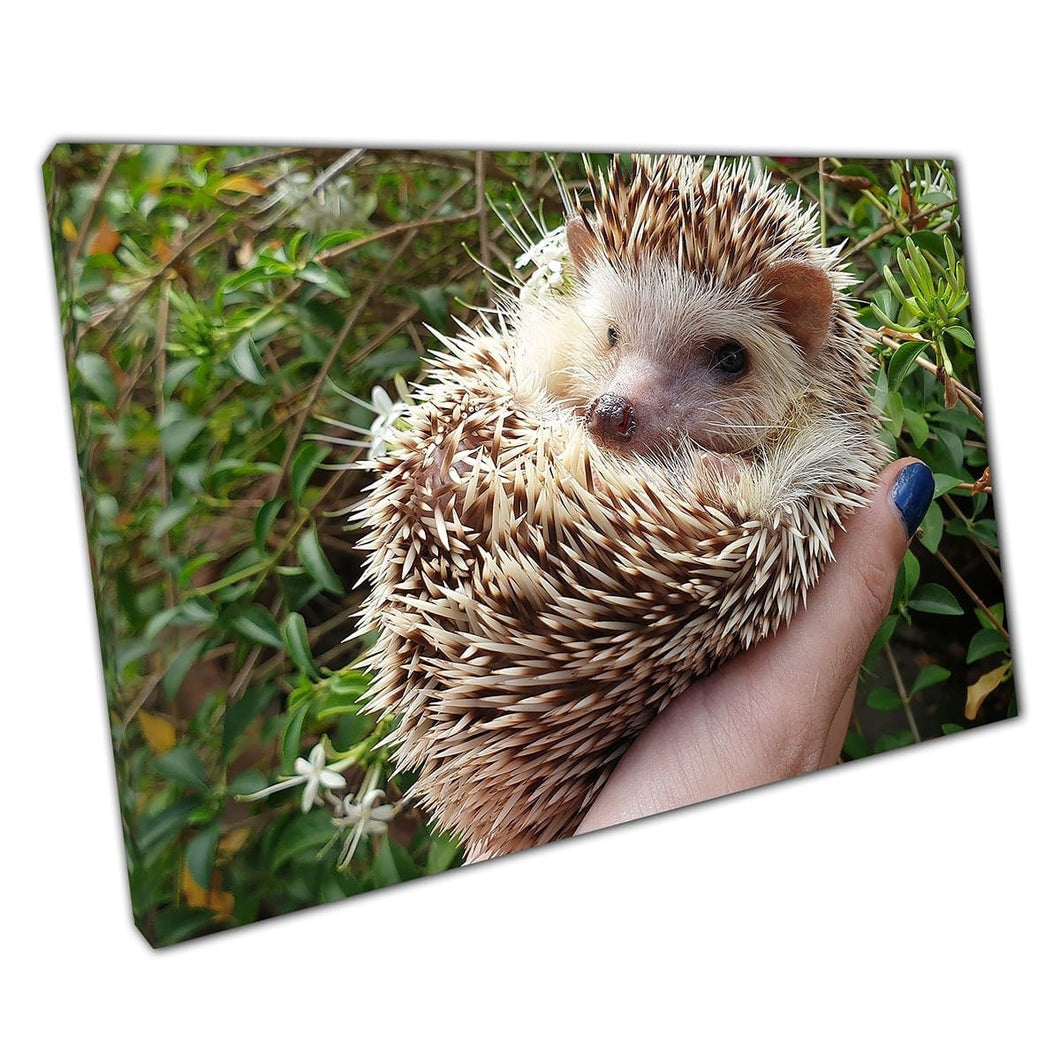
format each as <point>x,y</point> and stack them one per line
<point>444,504</point>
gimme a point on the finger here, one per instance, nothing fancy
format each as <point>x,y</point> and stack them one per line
<point>781,708</point>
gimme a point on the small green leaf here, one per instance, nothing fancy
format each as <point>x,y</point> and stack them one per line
<point>97,376</point>
<point>263,522</point>
<point>986,642</point>
<point>945,483</point>
<point>239,715</point>
<point>931,527</point>
<point>258,625</point>
<point>855,745</point>
<point>305,462</point>
<point>178,432</point>
<point>170,516</point>
<point>291,738</point>
<point>179,667</point>
<point>917,427</point>
<point>891,740</point>
<point>200,852</point>
<point>962,335</point>
<point>246,360</point>
<point>935,599</point>
<point>178,923</point>
<point>948,728</point>
<point>314,560</point>
<point>884,699</point>
<point>182,766</point>
<point>903,361</point>
<point>296,640</point>
<point>928,676</point>
<point>997,611</point>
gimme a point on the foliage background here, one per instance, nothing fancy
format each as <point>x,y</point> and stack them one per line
<point>209,298</point>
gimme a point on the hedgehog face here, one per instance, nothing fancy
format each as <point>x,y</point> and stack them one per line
<point>655,360</point>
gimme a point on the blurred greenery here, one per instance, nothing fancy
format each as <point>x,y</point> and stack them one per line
<point>218,304</point>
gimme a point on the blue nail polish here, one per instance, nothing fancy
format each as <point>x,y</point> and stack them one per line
<point>911,493</point>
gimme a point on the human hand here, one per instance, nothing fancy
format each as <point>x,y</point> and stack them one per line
<point>783,707</point>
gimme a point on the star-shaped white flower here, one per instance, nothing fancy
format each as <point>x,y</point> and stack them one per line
<point>387,413</point>
<point>315,774</point>
<point>312,772</point>
<point>362,817</point>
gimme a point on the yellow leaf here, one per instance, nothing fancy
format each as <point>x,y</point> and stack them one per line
<point>158,732</point>
<point>233,840</point>
<point>69,230</point>
<point>221,902</point>
<point>983,687</point>
<point>237,182</point>
<point>106,240</point>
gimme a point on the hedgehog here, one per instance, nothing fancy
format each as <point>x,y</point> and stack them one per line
<point>606,490</point>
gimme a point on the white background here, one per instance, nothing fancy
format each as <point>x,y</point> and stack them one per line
<point>905,906</point>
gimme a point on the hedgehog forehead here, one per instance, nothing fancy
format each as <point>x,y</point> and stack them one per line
<point>723,224</point>
<point>660,300</point>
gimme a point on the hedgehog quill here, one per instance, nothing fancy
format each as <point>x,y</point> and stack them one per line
<point>609,489</point>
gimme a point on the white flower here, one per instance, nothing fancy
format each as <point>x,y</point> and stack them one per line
<point>363,817</point>
<point>311,772</point>
<point>549,256</point>
<point>315,774</point>
<point>387,414</point>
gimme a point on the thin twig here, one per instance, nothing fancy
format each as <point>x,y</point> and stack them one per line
<point>902,694</point>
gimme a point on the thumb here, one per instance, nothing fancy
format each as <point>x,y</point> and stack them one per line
<point>782,707</point>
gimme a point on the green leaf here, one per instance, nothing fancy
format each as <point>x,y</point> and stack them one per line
<point>945,483</point>
<point>889,741</point>
<point>986,642</point>
<point>296,640</point>
<point>170,516</point>
<point>305,834</point>
<point>884,699</point>
<point>855,745</point>
<point>948,728</point>
<point>928,676</point>
<point>962,335</point>
<point>179,667</point>
<point>200,853</point>
<point>97,376</point>
<point>178,432</point>
<point>917,427</point>
<point>179,923</point>
<point>246,360</point>
<point>182,766</point>
<point>953,447</point>
<point>305,462</point>
<point>328,279</point>
<point>258,625</point>
<point>931,527</point>
<point>882,636</point>
<point>935,599</point>
<point>155,830</point>
<point>314,561</point>
<point>263,522</point>
<point>291,738</point>
<point>903,361</point>
<point>241,713</point>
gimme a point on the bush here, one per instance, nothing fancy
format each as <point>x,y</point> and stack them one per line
<point>234,319</point>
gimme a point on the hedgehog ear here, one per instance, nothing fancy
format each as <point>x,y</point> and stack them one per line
<point>804,294</point>
<point>582,243</point>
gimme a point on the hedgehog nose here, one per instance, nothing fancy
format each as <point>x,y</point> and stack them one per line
<point>611,418</point>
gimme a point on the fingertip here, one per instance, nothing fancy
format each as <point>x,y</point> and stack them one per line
<point>911,492</point>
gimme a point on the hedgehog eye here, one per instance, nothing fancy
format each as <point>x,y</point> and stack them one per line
<point>729,360</point>
<point>612,335</point>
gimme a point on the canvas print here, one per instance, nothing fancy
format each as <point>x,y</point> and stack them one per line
<point>443,504</point>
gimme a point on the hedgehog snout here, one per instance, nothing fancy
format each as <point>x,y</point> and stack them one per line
<point>611,418</point>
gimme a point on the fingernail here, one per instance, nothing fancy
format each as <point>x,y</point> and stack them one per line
<point>911,493</point>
